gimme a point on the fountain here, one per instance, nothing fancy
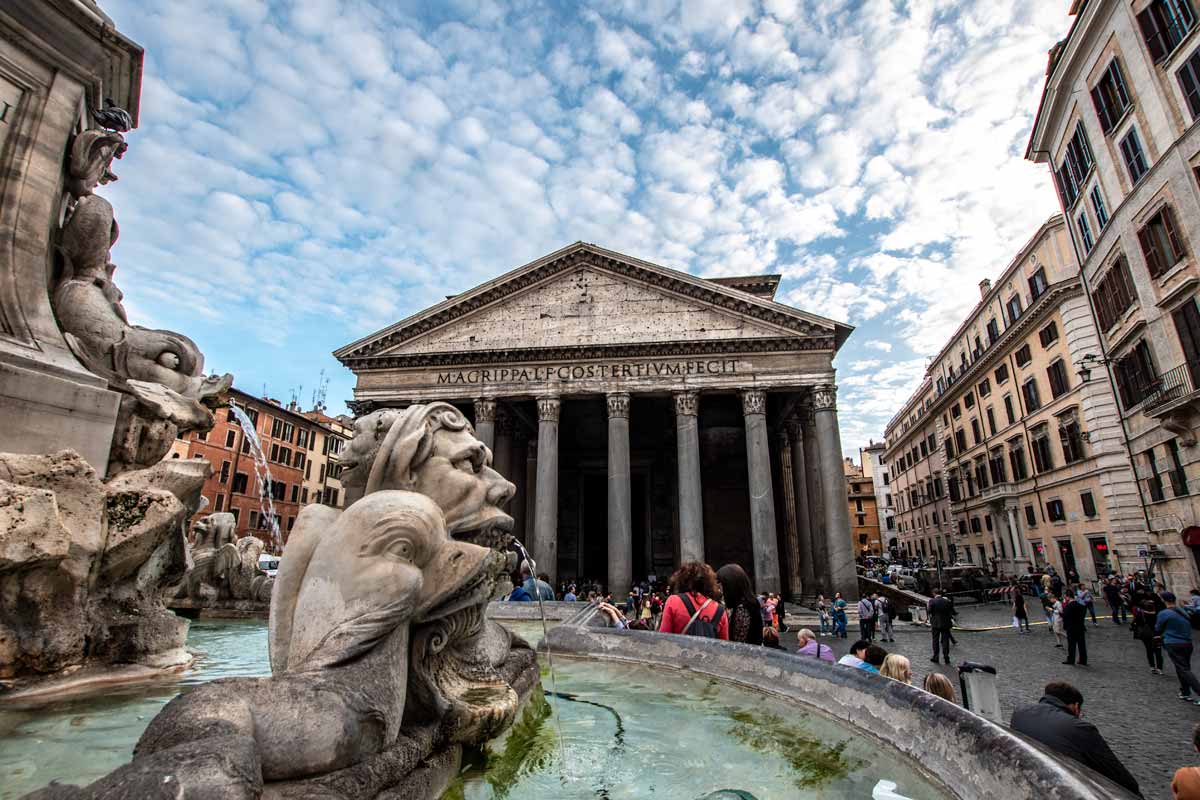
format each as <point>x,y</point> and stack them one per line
<point>262,474</point>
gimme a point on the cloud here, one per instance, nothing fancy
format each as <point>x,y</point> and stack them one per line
<point>307,172</point>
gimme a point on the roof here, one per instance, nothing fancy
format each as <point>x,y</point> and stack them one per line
<point>758,285</point>
<point>1054,61</point>
<point>724,293</point>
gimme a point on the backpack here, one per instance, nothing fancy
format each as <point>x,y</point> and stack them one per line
<point>697,625</point>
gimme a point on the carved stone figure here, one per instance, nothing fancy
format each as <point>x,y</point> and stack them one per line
<point>225,568</point>
<point>340,716</point>
<point>160,373</point>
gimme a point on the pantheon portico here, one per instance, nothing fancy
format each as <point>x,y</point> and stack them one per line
<point>646,416</point>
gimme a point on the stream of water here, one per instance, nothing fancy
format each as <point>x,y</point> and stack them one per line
<point>262,477</point>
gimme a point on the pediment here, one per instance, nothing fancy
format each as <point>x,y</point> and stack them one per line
<point>584,296</point>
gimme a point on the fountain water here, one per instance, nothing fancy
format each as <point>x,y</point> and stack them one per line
<point>262,475</point>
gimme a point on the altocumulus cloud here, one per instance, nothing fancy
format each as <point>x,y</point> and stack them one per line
<point>309,171</point>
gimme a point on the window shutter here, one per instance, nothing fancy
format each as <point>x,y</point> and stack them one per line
<point>1168,218</point>
<point>1152,34</point>
<point>1187,82</point>
<point>1150,251</point>
<point>1106,120</point>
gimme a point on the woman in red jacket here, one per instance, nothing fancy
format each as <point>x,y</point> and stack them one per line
<point>698,583</point>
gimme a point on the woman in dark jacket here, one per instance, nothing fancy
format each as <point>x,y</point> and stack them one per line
<point>1145,617</point>
<point>745,616</point>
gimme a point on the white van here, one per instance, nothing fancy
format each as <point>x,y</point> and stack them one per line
<point>268,564</point>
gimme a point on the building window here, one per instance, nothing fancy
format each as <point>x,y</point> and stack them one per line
<point>1055,511</point>
<point>985,387</point>
<point>1189,81</point>
<point>955,411</point>
<point>1008,409</point>
<point>253,518</point>
<point>1048,335</point>
<point>224,472</point>
<point>1030,516</point>
<point>220,503</point>
<point>1038,284</point>
<point>1029,392</point>
<point>1074,169</point>
<point>1135,374</point>
<point>1001,374</point>
<point>322,478</point>
<point>993,331</point>
<point>975,527</point>
<point>304,495</point>
<point>278,490</point>
<point>1013,307</point>
<point>987,521</point>
<point>295,492</point>
<point>1179,486</point>
<point>1154,481</point>
<point>1099,207</point>
<point>962,527</point>
<point>1160,242</point>
<point>969,400</point>
<point>996,467</point>
<point>1114,294</point>
<point>1071,440</point>
<point>1016,458</point>
<point>975,434</point>
<point>230,436</point>
<point>1110,97</point>
<point>1085,232</point>
<point>1057,372</point>
<point>1164,25</point>
<point>960,440</point>
<point>1135,158</point>
<point>276,428</point>
<point>1043,460</point>
<point>991,421</point>
<point>300,458</point>
<point>1089,504</point>
<point>239,482</point>
<point>981,473</point>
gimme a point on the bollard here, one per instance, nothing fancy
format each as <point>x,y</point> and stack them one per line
<point>979,692</point>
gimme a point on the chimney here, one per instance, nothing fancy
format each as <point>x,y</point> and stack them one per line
<point>985,286</point>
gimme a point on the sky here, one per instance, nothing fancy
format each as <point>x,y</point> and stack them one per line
<point>308,172</point>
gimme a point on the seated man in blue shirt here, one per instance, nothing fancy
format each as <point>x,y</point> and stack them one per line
<point>1175,627</point>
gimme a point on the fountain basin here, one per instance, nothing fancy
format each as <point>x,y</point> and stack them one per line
<point>973,758</point>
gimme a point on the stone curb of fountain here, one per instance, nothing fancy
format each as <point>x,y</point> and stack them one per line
<point>984,760</point>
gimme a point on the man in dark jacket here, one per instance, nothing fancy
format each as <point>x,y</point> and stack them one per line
<point>1074,618</point>
<point>941,620</point>
<point>1055,722</point>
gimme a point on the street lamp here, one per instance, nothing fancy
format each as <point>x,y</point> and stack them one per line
<point>1086,363</point>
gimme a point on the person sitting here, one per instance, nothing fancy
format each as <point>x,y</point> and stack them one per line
<point>770,638</point>
<point>1055,722</point>
<point>939,684</point>
<point>570,596</point>
<point>896,667</point>
<point>874,658</point>
<point>519,595</point>
<point>855,657</point>
<point>614,616</point>
<point>809,646</point>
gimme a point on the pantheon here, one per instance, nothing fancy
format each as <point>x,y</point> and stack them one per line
<point>647,416</point>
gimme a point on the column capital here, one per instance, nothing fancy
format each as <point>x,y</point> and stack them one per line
<point>687,404</point>
<point>824,398</point>
<point>548,409</point>
<point>754,401</point>
<point>618,404</point>
<point>485,410</point>
<point>794,428</point>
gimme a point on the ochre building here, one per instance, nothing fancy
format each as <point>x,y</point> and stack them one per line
<point>646,416</point>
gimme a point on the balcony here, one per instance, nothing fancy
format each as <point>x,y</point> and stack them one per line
<point>999,492</point>
<point>1174,399</point>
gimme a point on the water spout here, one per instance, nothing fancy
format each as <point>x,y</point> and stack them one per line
<point>262,477</point>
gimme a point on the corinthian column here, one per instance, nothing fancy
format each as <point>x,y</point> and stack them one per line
<point>804,543</point>
<point>762,502</point>
<point>620,537</point>
<point>842,573</point>
<point>691,508</point>
<point>485,421</point>
<point>502,452</point>
<point>545,537</point>
<point>816,503</point>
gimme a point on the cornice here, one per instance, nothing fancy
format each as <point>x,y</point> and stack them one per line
<point>1043,306</point>
<point>679,283</point>
<point>591,352</point>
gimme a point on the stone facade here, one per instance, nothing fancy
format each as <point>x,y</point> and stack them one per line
<point>1116,124</point>
<point>864,516</point>
<point>871,458</point>
<point>647,416</point>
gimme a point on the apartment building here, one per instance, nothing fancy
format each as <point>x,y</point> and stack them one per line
<point>1117,126</point>
<point>322,474</point>
<point>290,441</point>
<point>864,518</point>
<point>916,475</point>
<point>1035,465</point>
<point>871,457</point>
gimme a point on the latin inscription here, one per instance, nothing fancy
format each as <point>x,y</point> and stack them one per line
<point>10,98</point>
<point>588,372</point>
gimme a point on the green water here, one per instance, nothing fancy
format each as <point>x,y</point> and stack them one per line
<point>629,732</point>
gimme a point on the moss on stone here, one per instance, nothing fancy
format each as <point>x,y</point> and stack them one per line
<point>527,748</point>
<point>813,762</point>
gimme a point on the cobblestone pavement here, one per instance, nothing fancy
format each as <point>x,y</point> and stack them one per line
<point>1137,713</point>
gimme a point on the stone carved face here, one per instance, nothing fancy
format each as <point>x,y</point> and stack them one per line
<point>430,449</point>
<point>214,530</point>
<point>387,560</point>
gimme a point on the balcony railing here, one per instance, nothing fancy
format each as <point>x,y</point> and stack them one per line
<point>1171,386</point>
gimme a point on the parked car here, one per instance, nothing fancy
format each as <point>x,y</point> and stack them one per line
<point>956,580</point>
<point>903,577</point>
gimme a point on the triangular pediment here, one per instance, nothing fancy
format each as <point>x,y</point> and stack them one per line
<point>586,296</point>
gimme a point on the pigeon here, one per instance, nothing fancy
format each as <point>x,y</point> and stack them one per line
<point>112,117</point>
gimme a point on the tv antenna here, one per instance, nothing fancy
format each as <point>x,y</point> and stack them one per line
<point>320,392</point>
